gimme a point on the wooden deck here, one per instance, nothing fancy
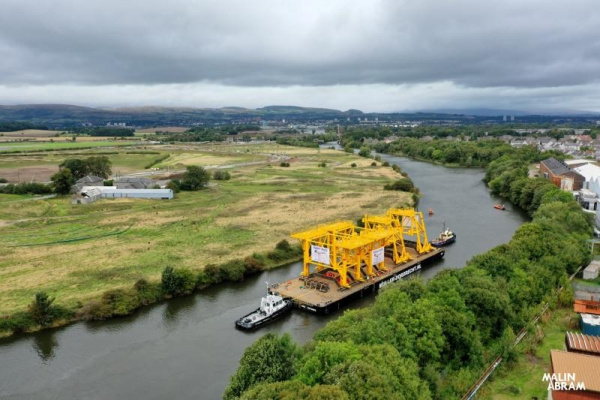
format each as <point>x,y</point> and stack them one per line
<point>309,294</point>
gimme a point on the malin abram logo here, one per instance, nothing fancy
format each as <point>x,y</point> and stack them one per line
<point>564,381</point>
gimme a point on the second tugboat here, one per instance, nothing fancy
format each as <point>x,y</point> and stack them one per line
<point>271,308</point>
<point>445,238</point>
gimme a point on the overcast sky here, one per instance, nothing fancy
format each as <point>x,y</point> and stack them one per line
<point>374,55</point>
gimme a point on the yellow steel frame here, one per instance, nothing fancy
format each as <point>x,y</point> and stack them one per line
<point>350,247</point>
<point>384,226</point>
<point>412,224</point>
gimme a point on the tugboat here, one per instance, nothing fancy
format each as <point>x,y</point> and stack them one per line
<point>499,207</point>
<point>445,238</point>
<point>271,307</point>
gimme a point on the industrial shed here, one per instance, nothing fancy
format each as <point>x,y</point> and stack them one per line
<point>164,194</point>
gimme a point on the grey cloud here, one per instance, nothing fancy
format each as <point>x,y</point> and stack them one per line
<point>481,44</point>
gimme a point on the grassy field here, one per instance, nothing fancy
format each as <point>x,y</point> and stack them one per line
<point>523,380</point>
<point>40,166</point>
<point>59,145</point>
<point>28,133</point>
<point>128,239</point>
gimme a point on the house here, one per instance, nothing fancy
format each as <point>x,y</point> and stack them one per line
<point>561,175</point>
<point>573,376</point>
<point>135,183</point>
<point>90,180</point>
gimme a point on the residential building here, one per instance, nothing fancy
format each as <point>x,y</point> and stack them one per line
<point>580,343</point>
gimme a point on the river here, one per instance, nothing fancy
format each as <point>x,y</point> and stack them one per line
<point>188,348</point>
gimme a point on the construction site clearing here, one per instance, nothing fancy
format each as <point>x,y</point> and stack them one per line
<point>342,261</point>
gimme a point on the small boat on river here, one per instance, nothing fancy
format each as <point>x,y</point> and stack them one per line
<point>499,207</point>
<point>445,238</point>
<point>271,307</point>
<point>431,211</point>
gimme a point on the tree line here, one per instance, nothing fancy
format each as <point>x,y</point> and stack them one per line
<point>12,126</point>
<point>432,340</point>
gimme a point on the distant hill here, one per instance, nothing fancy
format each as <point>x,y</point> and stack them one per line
<point>66,115</point>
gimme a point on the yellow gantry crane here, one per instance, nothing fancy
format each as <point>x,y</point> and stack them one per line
<point>343,249</point>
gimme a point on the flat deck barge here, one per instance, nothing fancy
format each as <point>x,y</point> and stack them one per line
<point>320,294</point>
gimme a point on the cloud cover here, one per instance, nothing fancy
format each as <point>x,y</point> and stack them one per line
<point>375,53</point>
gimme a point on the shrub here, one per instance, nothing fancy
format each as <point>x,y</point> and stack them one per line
<point>108,182</point>
<point>283,245</point>
<point>3,180</point>
<point>220,175</point>
<point>233,270</point>
<point>353,165</point>
<point>174,185</point>
<point>18,322</point>
<point>404,185</point>
<point>284,164</point>
<point>212,274</point>
<point>41,308</point>
<point>396,168</point>
<point>373,164</point>
<point>364,151</point>
<point>385,164</point>
<point>322,164</point>
<point>378,158</point>
<point>177,282</point>
<point>253,265</point>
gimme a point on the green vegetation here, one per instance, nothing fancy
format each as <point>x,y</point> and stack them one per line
<point>221,175</point>
<point>20,147</point>
<point>113,131</point>
<point>522,378</point>
<point>26,188</point>
<point>441,334</point>
<point>19,126</point>
<point>62,181</point>
<point>53,246</point>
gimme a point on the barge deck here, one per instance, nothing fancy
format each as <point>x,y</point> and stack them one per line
<point>319,293</point>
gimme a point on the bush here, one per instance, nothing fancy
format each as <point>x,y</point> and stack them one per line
<point>284,164</point>
<point>353,165</point>
<point>253,265</point>
<point>404,185</point>
<point>385,164</point>
<point>174,185</point>
<point>233,270</point>
<point>3,180</point>
<point>323,164</point>
<point>211,274</point>
<point>18,322</point>
<point>220,175</point>
<point>396,168</point>
<point>41,308</point>
<point>365,151</point>
<point>108,182</point>
<point>283,245</point>
<point>373,164</point>
<point>177,282</point>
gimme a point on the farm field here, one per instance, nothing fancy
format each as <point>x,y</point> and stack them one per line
<point>7,147</point>
<point>76,252</point>
<point>40,166</point>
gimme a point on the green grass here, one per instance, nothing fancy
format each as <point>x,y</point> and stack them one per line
<point>250,213</point>
<point>7,147</point>
<point>523,379</point>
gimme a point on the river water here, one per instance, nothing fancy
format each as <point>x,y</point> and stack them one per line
<point>188,348</point>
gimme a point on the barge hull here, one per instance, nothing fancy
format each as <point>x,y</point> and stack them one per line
<point>317,302</point>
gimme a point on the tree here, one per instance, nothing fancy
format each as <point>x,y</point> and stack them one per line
<point>99,166</point>
<point>269,359</point>
<point>177,282</point>
<point>41,308</point>
<point>195,178</point>
<point>364,151</point>
<point>79,168</point>
<point>62,181</point>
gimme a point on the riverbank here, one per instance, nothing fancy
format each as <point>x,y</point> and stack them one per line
<point>249,214</point>
<point>447,330</point>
